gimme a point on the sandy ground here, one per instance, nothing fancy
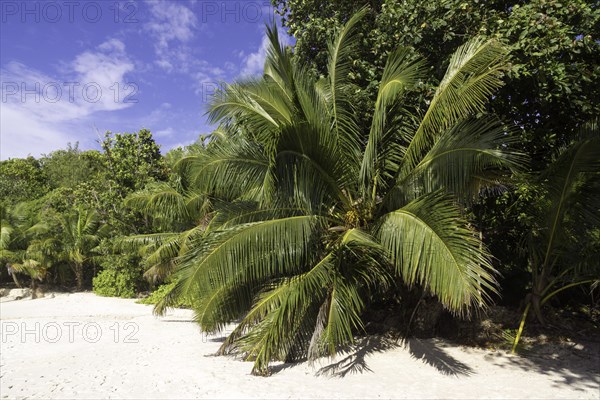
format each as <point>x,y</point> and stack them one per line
<point>84,346</point>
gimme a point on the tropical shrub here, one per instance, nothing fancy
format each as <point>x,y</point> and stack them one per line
<point>176,213</point>
<point>121,276</point>
<point>113,283</point>
<point>25,246</point>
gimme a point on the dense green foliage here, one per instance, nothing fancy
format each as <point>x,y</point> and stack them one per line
<point>111,283</point>
<point>160,293</point>
<point>57,210</point>
<point>550,90</point>
<point>564,247</point>
<point>412,149</point>
<point>554,52</point>
<point>121,274</point>
<point>133,160</point>
<point>21,180</point>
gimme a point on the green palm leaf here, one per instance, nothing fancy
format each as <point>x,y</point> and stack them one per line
<point>430,244</point>
<point>564,178</point>
<point>474,73</point>
<point>465,157</point>
<point>401,72</point>
<point>264,250</point>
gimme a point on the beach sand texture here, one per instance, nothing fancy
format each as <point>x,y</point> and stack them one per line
<point>85,346</point>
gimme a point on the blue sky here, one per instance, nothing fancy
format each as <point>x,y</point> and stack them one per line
<point>71,70</point>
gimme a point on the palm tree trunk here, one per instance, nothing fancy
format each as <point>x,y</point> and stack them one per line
<point>536,297</point>
<point>79,275</point>
<point>16,280</point>
<point>536,302</point>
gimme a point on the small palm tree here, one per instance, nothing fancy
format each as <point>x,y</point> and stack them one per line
<point>8,244</point>
<point>315,218</point>
<point>35,269</point>
<point>560,256</point>
<point>81,232</point>
<point>20,232</point>
<point>178,213</point>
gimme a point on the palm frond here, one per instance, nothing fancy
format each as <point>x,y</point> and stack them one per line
<point>430,244</point>
<point>340,50</point>
<point>278,63</point>
<point>6,236</point>
<point>474,73</point>
<point>272,326</point>
<point>230,169</point>
<point>263,250</point>
<point>469,154</point>
<point>160,201</point>
<point>402,71</point>
<point>233,103</point>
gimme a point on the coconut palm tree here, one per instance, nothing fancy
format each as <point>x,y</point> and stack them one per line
<point>24,244</point>
<point>562,250</point>
<point>81,232</point>
<point>318,217</point>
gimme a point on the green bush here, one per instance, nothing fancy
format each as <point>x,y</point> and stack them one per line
<point>122,276</point>
<point>160,292</point>
<point>113,283</point>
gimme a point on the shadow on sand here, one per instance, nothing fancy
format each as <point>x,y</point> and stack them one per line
<point>433,355</point>
<point>575,365</point>
<point>426,351</point>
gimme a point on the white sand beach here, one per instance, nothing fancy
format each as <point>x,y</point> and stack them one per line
<point>84,346</point>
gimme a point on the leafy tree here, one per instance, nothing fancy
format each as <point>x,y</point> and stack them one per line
<point>178,212</point>
<point>319,216</point>
<point>71,167</point>
<point>37,261</point>
<point>21,179</point>
<point>133,159</point>
<point>175,211</point>
<point>81,196</point>
<point>12,242</point>
<point>24,245</point>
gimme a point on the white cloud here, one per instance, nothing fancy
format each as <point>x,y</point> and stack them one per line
<point>159,116</point>
<point>23,135</point>
<point>42,112</point>
<point>229,66</point>
<point>106,69</point>
<point>172,21</point>
<point>172,25</point>
<point>164,64</point>
<point>113,45</point>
